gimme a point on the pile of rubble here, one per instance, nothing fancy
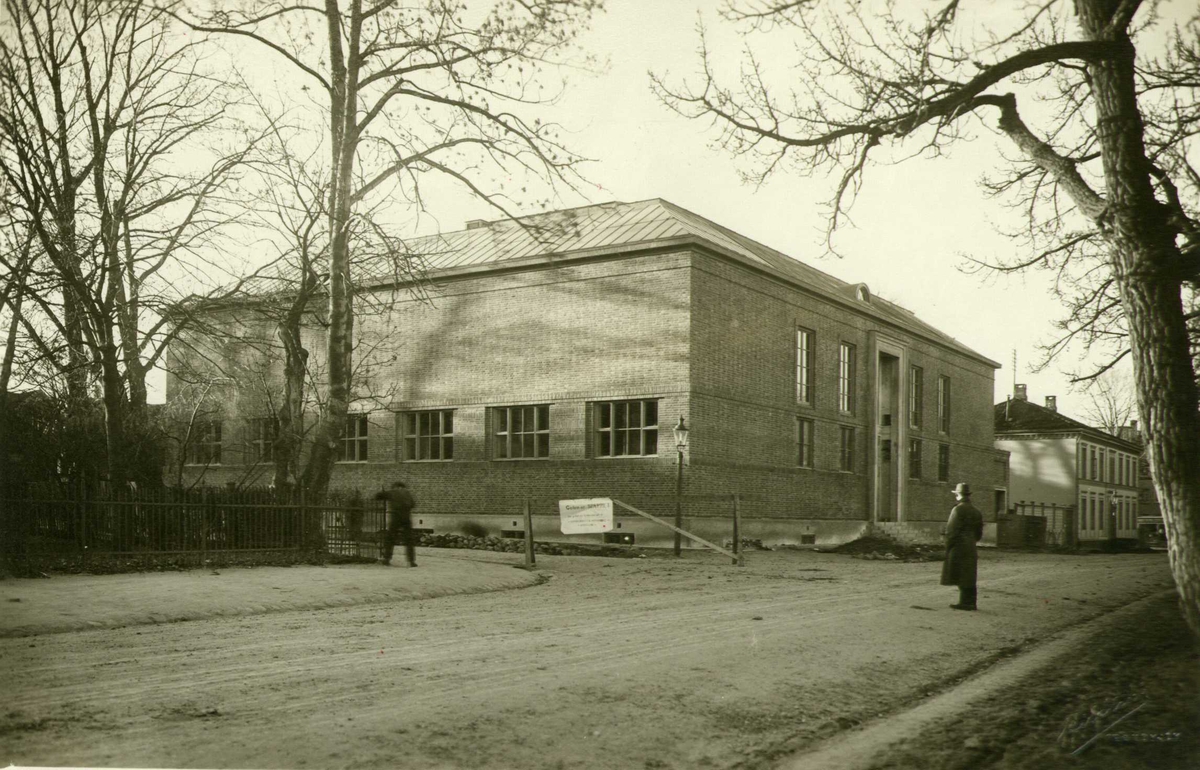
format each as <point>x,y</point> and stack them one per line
<point>748,545</point>
<point>874,547</point>
<point>513,545</point>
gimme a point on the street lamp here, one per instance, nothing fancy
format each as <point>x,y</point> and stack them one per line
<point>681,440</point>
<point>1112,517</point>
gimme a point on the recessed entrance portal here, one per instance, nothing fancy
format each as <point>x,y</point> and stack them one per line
<point>888,432</point>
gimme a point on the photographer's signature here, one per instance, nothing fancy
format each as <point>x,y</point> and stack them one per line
<point>1084,729</point>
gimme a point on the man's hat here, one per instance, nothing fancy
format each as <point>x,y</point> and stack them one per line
<point>963,489</point>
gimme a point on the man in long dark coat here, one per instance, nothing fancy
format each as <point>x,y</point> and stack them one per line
<point>400,502</point>
<point>963,531</point>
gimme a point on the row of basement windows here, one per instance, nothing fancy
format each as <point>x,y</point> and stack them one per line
<point>847,379</point>
<point>806,431</point>
<point>1096,463</point>
<point>621,429</point>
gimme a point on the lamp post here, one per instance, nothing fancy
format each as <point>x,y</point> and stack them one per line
<point>681,439</point>
<point>1112,517</point>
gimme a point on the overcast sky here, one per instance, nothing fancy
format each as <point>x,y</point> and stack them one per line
<point>913,221</point>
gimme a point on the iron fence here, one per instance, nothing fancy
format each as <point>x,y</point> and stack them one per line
<point>82,521</point>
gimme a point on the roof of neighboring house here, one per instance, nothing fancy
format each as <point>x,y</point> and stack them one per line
<point>1020,416</point>
<point>607,228</point>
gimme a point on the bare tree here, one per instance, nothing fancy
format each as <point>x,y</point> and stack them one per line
<point>1104,177</point>
<point>109,131</point>
<point>408,90</point>
<point>16,263</point>
<point>1111,401</point>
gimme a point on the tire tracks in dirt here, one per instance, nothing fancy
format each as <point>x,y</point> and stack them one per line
<point>325,674</point>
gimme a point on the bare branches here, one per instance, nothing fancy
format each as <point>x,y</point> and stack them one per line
<point>879,82</point>
<point>412,90</point>
<point>108,110</point>
<point>1111,400</point>
<point>1062,169</point>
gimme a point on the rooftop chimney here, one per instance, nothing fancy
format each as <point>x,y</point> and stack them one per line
<point>1021,394</point>
<point>475,224</point>
<point>1052,403</point>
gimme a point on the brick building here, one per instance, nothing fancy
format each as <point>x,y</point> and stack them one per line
<point>557,354</point>
<point>1060,464</point>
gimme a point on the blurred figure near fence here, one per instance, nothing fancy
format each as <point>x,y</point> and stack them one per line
<point>963,531</point>
<point>400,502</point>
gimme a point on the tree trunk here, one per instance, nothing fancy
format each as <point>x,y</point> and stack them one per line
<point>10,348</point>
<point>343,115</point>
<point>114,415</point>
<point>291,411</point>
<point>1168,404</point>
<point>1143,259</point>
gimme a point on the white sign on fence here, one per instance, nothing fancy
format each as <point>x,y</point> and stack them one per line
<point>581,516</point>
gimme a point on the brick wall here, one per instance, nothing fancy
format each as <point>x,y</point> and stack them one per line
<point>565,336</point>
<point>703,337</point>
<point>745,406</point>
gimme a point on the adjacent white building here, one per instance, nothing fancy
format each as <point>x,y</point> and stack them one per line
<point>1081,478</point>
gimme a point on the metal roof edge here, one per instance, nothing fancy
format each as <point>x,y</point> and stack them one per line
<point>691,239</point>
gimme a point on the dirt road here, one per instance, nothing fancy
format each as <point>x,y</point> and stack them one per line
<point>609,664</point>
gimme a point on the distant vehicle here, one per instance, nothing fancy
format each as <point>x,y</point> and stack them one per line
<point>1152,532</point>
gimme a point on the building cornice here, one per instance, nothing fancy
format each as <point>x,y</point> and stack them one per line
<point>1092,435</point>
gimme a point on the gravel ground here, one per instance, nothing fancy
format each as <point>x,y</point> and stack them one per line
<point>1125,699</point>
<point>606,663</point>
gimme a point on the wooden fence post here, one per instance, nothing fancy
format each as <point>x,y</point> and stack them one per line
<point>739,560</point>
<point>530,557</point>
<point>204,501</point>
<point>80,491</point>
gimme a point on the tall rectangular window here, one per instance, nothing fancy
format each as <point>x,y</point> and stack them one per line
<point>804,442</point>
<point>428,435</point>
<point>943,462</point>
<point>804,366</point>
<point>1092,516</point>
<point>914,458</point>
<point>263,432</point>
<point>205,445</point>
<point>1112,467</point>
<point>626,428</point>
<point>1092,453</point>
<point>846,365</point>
<point>353,447</point>
<point>521,432</point>
<point>1081,461</point>
<point>944,404</point>
<point>916,396</point>
<point>846,453</point>
<point>1102,456</point>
